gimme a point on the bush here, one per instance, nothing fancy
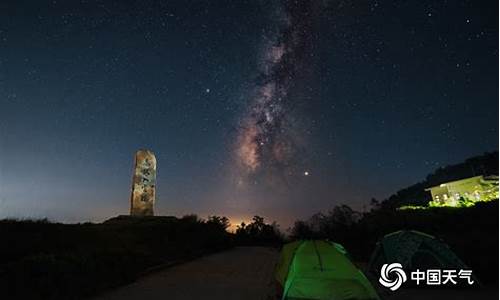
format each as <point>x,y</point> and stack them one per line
<point>258,233</point>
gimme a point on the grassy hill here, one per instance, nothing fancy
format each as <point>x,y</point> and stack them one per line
<point>486,164</point>
<point>43,260</point>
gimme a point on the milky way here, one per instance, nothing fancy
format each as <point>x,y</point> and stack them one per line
<point>267,141</point>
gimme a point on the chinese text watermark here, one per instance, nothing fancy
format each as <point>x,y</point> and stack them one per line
<point>393,276</point>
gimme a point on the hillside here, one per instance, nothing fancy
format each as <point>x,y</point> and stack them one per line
<point>43,260</point>
<point>486,164</point>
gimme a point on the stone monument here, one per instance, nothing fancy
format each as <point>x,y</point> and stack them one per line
<point>142,198</point>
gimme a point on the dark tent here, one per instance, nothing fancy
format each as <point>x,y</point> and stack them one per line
<point>414,250</point>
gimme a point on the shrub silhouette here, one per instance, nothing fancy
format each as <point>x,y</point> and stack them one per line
<point>259,233</point>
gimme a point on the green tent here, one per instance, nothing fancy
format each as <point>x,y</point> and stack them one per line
<point>316,269</point>
<point>414,250</point>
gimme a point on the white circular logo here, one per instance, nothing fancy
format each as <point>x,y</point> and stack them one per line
<point>387,269</point>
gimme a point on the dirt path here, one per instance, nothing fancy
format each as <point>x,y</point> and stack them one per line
<point>239,274</point>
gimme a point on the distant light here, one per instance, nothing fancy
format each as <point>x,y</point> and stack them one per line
<point>306,173</point>
<point>207,90</point>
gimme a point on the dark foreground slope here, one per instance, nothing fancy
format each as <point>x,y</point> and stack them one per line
<point>42,260</point>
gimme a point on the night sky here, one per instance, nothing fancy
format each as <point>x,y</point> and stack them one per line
<point>276,108</point>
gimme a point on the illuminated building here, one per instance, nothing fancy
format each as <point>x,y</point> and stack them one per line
<point>464,192</point>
